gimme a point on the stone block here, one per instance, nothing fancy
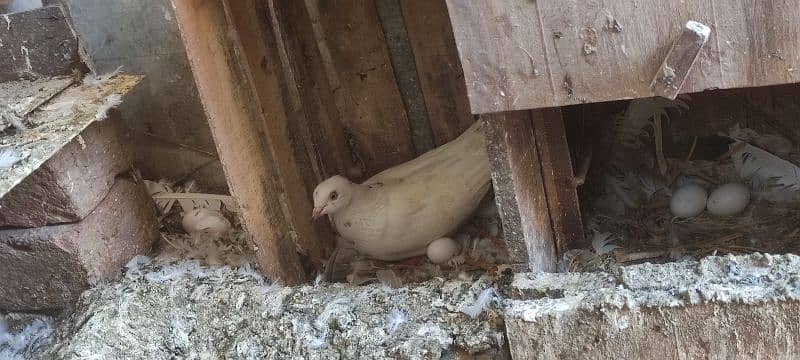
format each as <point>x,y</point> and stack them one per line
<point>71,183</point>
<point>46,268</point>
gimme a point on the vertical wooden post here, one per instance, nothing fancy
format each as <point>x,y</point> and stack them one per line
<point>227,100</point>
<point>534,186</point>
<point>519,190</point>
<point>559,184</point>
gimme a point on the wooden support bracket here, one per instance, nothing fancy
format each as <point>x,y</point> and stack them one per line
<point>673,72</point>
<point>257,167</point>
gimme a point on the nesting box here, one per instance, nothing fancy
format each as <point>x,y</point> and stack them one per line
<point>297,91</point>
<point>524,60</point>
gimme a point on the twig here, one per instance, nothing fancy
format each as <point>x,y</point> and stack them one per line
<point>638,256</point>
<point>658,134</point>
<point>584,165</point>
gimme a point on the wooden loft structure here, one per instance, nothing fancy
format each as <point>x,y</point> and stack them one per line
<point>296,91</point>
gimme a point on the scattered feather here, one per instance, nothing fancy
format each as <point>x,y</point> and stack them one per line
<point>17,345</point>
<point>394,319</point>
<point>480,304</point>
<point>8,158</point>
<point>97,80</point>
<point>602,243</point>
<point>112,101</point>
<point>760,166</point>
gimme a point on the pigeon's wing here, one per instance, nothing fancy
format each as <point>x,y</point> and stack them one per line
<point>469,146</point>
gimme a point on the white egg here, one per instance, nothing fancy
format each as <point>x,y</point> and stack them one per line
<point>728,199</point>
<point>205,221</point>
<point>688,201</point>
<point>442,250</point>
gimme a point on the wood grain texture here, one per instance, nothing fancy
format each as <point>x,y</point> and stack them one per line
<point>37,43</point>
<point>235,126</point>
<point>280,118</point>
<point>519,190</point>
<point>440,74</point>
<point>557,173</point>
<point>520,54</point>
<point>405,73</point>
<point>315,88</point>
<point>374,114</point>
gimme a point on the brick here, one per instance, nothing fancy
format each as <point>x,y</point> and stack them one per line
<point>46,268</point>
<point>70,184</point>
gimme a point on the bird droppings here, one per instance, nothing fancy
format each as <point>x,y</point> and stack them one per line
<point>168,307</point>
<point>47,114</point>
<point>21,335</point>
<point>216,312</point>
<point>749,279</point>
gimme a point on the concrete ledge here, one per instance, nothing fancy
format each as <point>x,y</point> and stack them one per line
<point>48,267</point>
<point>720,307</point>
<point>70,184</point>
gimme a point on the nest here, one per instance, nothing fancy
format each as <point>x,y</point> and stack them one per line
<point>629,211</point>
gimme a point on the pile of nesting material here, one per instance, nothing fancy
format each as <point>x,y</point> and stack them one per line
<point>642,205</point>
<point>67,217</point>
<point>167,308</point>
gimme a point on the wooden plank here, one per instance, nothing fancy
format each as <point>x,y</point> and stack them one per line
<point>440,74</point>
<point>594,51</point>
<point>758,41</point>
<point>557,173</point>
<point>502,52</point>
<point>37,43</point>
<point>226,99</point>
<point>280,117</point>
<point>314,87</point>
<point>405,73</point>
<point>375,115</point>
<point>519,190</point>
<point>669,78</point>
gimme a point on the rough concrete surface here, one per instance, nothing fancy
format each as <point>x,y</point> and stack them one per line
<point>48,267</point>
<point>719,308</point>
<point>71,183</point>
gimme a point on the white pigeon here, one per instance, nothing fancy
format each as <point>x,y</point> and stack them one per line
<point>397,213</point>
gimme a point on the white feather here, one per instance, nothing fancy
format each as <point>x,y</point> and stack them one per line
<point>8,158</point>
<point>112,101</point>
<point>483,300</point>
<point>394,319</point>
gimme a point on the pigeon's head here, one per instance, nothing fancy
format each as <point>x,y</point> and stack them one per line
<point>331,196</point>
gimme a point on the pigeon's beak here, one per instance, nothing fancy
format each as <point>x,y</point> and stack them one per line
<point>317,213</point>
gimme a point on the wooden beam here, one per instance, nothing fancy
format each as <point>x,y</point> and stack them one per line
<point>318,99</point>
<point>405,73</point>
<point>278,108</point>
<point>519,190</point>
<point>559,183</point>
<point>356,58</point>
<point>439,69</point>
<point>522,54</point>
<point>227,100</point>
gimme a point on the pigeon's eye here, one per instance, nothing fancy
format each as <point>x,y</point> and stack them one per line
<point>334,195</point>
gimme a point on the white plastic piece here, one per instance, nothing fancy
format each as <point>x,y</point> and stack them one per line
<point>698,28</point>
